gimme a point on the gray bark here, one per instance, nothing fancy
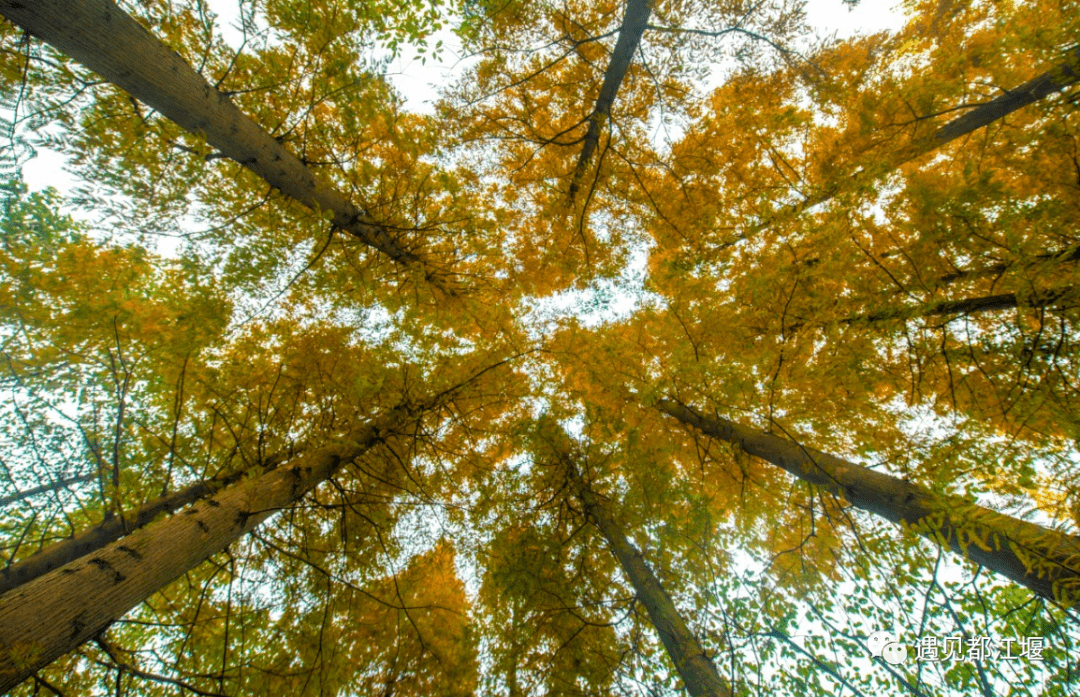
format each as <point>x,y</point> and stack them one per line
<point>56,555</point>
<point>1054,80</point>
<point>633,26</point>
<point>101,36</point>
<point>970,306</point>
<point>45,489</point>
<point>56,612</point>
<point>964,306</point>
<point>693,664</point>
<point>1042,559</point>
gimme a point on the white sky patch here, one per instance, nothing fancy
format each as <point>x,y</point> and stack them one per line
<point>48,168</point>
<point>418,77</point>
<point>868,17</point>
<point>415,75</point>
<point>603,302</point>
<point>228,21</point>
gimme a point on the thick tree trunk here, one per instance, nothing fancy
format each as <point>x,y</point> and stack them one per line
<point>633,26</point>
<point>694,666</point>
<point>110,530</point>
<point>1044,560</point>
<point>107,40</point>
<point>55,613</point>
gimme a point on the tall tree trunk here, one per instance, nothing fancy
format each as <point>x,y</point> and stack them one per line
<point>107,40</point>
<point>1063,256</point>
<point>1054,80</point>
<point>1069,254</point>
<point>633,26</point>
<point>695,667</point>
<point>964,306</point>
<point>112,529</point>
<point>1042,559</point>
<point>969,306</point>
<point>55,613</point>
<point>46,488</point>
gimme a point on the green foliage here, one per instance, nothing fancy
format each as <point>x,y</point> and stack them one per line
<point>785,257</point>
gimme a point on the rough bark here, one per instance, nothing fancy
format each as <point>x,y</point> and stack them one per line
<point>107,40</point>
<point>110,530</point>
<point>693,664</point>
<point>1044,560</point>
<point>55,613</point>
<point>633,26</point>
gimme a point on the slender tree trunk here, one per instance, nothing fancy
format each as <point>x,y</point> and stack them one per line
<point>1044,560</point>
<point>1066,255</point>
<point>964,306</point>
<point>110,530</point>
<point>969,306</point>
<point>55,613</point>
<point>633,26</point>
<point>695,667</point>
<point>1054,80</point>
<point>46,488</point>
<point>107,40</point>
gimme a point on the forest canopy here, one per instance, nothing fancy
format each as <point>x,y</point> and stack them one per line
<point>677,348</point>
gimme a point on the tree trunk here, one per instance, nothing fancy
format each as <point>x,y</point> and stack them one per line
<point>55,613</point>
<point>1044,560</point>
<point>969,306</point>
<point>1054,80</point>
<point>965,306</point>
<point>633,26</point>
<point>1066,255</point>
<point>695,667</point>
<point>109,530</point>
<point>45,489</point>
<point>107,40</point>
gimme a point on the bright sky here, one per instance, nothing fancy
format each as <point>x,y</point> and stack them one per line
<point>417,82</point>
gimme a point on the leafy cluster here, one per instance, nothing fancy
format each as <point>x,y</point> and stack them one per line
<point>768,227</point>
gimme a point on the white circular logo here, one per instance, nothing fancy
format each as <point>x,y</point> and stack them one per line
<point>894,653</point>
<point>878,641</point>
<point>885,646</point>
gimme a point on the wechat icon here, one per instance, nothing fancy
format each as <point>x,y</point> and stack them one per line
<point>885,645</point>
